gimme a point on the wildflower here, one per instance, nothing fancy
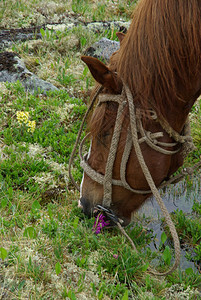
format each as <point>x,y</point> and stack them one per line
<point>115,256</point>
<point>22,117</point>
<point>99,223</point>
<point>31,126</point>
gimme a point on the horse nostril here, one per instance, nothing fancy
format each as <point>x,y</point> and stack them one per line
<point>85,205</point>
<point>82,201</point>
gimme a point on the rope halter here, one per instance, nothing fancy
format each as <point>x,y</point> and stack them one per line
<point>146,136</point>
<point>135,127</point>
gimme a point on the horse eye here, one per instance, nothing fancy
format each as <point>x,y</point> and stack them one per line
<point>102,139</point>
<point>105,134</point>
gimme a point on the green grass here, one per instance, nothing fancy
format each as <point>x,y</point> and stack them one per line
<point>195,119</point>
<point>189,231</point>
<point>44,236</point>
<point>35,13</point>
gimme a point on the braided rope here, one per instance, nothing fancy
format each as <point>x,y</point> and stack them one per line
<point>96,92</point>
<point>132,138</point>
<point>151,183</point>
<point>107,183</point>
<point>171,132</point>
<point>149,139</point>
<point>125,157</point>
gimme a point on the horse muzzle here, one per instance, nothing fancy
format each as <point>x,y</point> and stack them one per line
<point>91,211</point>
<point>86,207</point>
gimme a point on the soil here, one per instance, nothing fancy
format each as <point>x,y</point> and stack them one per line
<point>7,61</point>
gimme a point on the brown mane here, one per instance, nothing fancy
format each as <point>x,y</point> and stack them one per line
<point>160,50</point>
<point>158,56</point>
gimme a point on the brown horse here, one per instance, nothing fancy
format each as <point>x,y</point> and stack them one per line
<point>160,61</point>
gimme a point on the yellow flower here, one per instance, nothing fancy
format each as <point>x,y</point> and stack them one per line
<point>22,117</point>
<point>31,126</point>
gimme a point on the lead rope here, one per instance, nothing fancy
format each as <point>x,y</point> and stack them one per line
<point>152,185</point>
<point>107,180</point>
<point>94,96</point>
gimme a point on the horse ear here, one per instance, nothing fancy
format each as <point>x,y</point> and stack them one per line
<point>120,36</point>
<point>101,72</point>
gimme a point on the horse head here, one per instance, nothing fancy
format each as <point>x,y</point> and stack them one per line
<point>102,124</point>
<point>101,128</point>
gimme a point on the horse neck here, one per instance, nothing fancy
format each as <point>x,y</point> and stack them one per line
<point>177,116</point>
<point>180,108</point>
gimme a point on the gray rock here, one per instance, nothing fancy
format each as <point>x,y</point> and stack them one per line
<point>12,68</point>
<point>8,37</point>
<point>103,49</point>
<point>108,25</point>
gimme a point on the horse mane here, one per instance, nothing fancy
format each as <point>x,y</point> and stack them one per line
<point>160,51</point>
<point>160,55</point>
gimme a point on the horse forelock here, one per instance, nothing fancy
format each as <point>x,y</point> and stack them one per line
<point>161,50</point>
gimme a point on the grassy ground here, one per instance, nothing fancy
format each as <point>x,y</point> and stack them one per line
<point>47,247</point>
